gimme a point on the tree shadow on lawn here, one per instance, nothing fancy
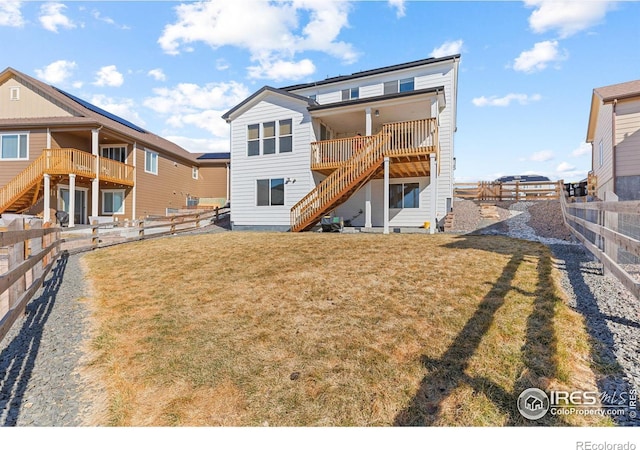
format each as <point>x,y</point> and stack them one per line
<point>446,374</point>
<point>18,358</point>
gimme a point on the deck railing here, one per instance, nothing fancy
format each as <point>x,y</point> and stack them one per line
<point>408,138</point>
<point>63,161</point>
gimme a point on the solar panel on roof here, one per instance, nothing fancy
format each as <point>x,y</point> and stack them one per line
<point>220,155</point>
<point>102,112</point>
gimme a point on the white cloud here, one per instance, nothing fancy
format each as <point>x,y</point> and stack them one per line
<point>565,167</point>
<point>201,145</point>
<point>157,74</point>
<point>109,76</point>
<point>222,64</point>
<point>270,31</point>
<point>583,149</point>
<point>98,16</point>
<point>125,108</point>
<point>57,72</point>
<point>200,106</point>
<point>399,6</point>
<point>523,99</point>
<point>539,57</point>
<point>52,17</point>
<point>10,13</point>
<point>542,156</point>
<point>567,17</point>
<point>447,49</point>
<point>282,70</point>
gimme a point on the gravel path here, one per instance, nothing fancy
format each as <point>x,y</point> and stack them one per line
<point>39,384</point>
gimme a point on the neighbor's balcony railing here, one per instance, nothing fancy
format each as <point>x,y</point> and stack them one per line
<point>417,137</point>
<point>62,161</point>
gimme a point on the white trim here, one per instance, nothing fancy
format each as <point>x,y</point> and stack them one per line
<point>195,172</point>
<point>14,93</point>
<point>84,190</point>
<point>113,191</point>
<point>151,152</point>
<point>15,133</point>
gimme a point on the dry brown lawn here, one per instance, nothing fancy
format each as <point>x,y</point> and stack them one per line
<point>312,329</point>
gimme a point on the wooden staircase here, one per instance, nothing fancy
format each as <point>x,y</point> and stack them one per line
<point>340,184</point>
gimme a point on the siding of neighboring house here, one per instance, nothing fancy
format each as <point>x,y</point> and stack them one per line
<point>295,165</point>
<point>604,171</point>
<point>30,104</point>
<point>66,140</point>
<point>628,138</point>
<point>212,182</point>
<point>37,142</point>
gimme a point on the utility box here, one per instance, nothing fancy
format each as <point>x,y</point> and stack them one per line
<point>331,224</point>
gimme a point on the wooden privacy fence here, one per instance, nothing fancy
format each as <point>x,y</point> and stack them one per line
<point>610,230</point>
<point>27,254</point>
<point>28,250</point>
<point>514,191</point>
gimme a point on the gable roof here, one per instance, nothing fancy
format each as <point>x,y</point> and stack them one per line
<point>618,91</point>
<point>609,94</point>
<point>260,95</point>
<point>85,113</point>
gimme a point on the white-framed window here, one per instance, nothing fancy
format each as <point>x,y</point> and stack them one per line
<point>350,94</point>
<point>116,152</point>
<point>270,192</point>
<point>113,201</point>
<point>14,146</point>
<point>194,173</point>
<point>14,93</point>
<point>404,195</point>
<point>150,162</point>
<point>601,152</point>
<point>269,138</point>
<point>395,86</point>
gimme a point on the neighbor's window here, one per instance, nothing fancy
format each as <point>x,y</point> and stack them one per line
<point>151,162</point>
<point>395,86</point>
<point>118,153</point>
<point>14,146</point>
<point>194,173</point>
<point>270,192</point>
<point>405,195</point>
<point>113,201</point>
<point>391,87</point>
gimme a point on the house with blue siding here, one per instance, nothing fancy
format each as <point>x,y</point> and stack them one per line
<point>374,148</point>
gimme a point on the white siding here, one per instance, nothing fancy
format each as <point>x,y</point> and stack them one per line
<point>603,171</point>
<point>408,217</point>
<point>628,138</point>
<point>246,170</point>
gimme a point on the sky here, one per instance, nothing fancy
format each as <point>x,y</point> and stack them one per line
<point>527,72</point>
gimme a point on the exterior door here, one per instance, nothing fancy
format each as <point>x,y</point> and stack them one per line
<point>80,206</point>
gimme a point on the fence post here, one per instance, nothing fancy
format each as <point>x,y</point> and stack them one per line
<point>95,240</point>
<point>217,214</point>
<point>173,224</point>
<point>198,220</point>
<point>16,256</point>
<point>141,229</point>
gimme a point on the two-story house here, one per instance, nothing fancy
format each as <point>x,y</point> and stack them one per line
<point>614,135</point>
<point>61,153</point>
<point>374,147</point>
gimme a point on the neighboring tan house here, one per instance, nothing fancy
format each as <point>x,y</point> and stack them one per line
<point>59,152</point>
<point>374,147</point>
<point>614,134</point>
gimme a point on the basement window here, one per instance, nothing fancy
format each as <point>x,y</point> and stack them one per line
<point>404,195</point>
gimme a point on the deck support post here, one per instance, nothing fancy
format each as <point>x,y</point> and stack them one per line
<point>46,216</point>
<point>386,195</point>
<point>95,183</point>
<point>72,200</point>
<point>433,180</point>
<point>367,206</point>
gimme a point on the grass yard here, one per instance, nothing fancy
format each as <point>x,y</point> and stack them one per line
<point>312,329</point>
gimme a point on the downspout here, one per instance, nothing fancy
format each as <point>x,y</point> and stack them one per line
<point>613,144</point>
